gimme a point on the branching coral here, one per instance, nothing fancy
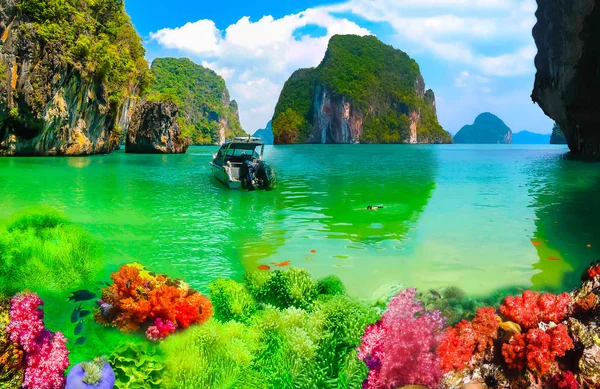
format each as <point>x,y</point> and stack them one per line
<point>531,308</point>
<point>45,352</point>
<point>231,300</point>
<point>400,349</point>
<point>137,298</point>
<point>537,349</point>
<point>564,380</point>
<point>467,342</point>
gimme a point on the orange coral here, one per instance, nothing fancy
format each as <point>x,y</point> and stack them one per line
<point>137,299</point>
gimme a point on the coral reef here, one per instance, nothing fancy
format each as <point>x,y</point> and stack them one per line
<point>138,298</point>
<point>11,354</point>
<point>531,308</point>
<point>231,301</point>
<point>137,366</point>
<point>399,349</point>
<point>46,353</point>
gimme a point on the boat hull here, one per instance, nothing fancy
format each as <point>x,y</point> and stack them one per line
<point>222,176</point>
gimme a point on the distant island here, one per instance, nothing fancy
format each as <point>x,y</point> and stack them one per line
<point>265,134</point>
<point>487,129</point>
<point>530,138</point>
<point>362,92</point>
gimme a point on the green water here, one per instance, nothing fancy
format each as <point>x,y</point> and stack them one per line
<point>453,215</point>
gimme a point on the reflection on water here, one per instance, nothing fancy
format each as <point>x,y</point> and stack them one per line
<point>567,229</point>
<point>486,218</point>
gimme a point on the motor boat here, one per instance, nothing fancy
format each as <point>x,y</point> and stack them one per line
<point>239,165</point>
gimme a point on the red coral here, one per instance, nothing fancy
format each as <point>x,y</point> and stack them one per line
<point>537,349</point>
<point>468,339</point>
<point>564,380</point>
<point>135,300</point>
<point>531,308</point>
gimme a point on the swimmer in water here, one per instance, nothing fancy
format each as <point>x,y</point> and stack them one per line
<point>374,207</point>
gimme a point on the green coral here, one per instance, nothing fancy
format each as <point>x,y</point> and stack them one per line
<point>379,80</point>
<point>202,98</point>
<point>41,251</point>
<point>137,366</point>
<point>331,285</point>
<point>231,301</point>
<point>291,343</point>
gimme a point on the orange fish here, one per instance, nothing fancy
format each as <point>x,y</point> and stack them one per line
<point>589,245</point>
<point>308,259</point>
<point>281,264</point>
<point>554,259</point>
<point>263,267</point>
<point>536,243</point>
<point>313,251</point>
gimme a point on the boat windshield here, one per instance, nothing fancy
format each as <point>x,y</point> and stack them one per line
<point>238,153</point>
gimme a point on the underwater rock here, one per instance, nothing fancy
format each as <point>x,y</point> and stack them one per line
<point>154,130</point>
<point>567,85</point>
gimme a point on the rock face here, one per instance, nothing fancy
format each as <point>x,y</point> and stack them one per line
<point>154,130</point>
<point>362,92</point>
<point>567,83</point>
<point>50,102</point>
<point>205,106</point>
<point>487,129</point>
<point>265,134</point>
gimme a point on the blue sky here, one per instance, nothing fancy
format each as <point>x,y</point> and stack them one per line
<point>477,55</point>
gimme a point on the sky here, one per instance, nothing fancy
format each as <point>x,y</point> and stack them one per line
<point>477,55</point>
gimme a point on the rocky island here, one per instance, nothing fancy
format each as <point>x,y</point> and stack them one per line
<point>362,92</point>
<point>487,129</point>
<point>567,83</point>
<point>207,115</point>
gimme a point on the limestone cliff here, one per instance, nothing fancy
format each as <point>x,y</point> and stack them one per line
<point>567,83</point>
<point>362,92</point>
<point>58,94</point>
<point>153,129</point>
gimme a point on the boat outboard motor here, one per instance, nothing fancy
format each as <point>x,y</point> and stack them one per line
<point>247,175</point>
<point>265,176</point>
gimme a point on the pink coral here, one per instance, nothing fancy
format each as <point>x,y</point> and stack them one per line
<point>161,329</point>
<point>400,349</point>
<point>564,380</point>
<point>537,349</point>
<point>531,308</point>
<point>46,353</point>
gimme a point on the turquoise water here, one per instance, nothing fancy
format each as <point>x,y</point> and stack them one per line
<point>452,215</point>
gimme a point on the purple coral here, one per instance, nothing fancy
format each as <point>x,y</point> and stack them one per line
<point>400,349</point>
<point>46,352</point>
<point>160,330</point>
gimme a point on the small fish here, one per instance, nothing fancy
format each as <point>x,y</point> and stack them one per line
<point>82,295</point>
<point>80,340</point>
<point>84,313</point>
<point>75,314</point>
<point>78,328</point>
<point>281,264</point>
<point>553,258</point>
<point>308,259</point>
<point>313,251</point>
<point>263,267</point>
<point>589,246</point>
<point>128,284</point>
<point>435,294</point>
<point>153,274</point>
<point>510,326</point>
<point>536,243</point>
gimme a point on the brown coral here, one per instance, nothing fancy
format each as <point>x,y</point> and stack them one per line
<point>11,355</point>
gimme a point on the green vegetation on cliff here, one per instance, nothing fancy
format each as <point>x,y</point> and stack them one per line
<point>557,137</point>
<point>96,37</point>
<point>202,97</point>
<point>383,83</point>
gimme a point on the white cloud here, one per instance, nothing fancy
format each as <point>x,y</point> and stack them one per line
<point>488,38</point>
